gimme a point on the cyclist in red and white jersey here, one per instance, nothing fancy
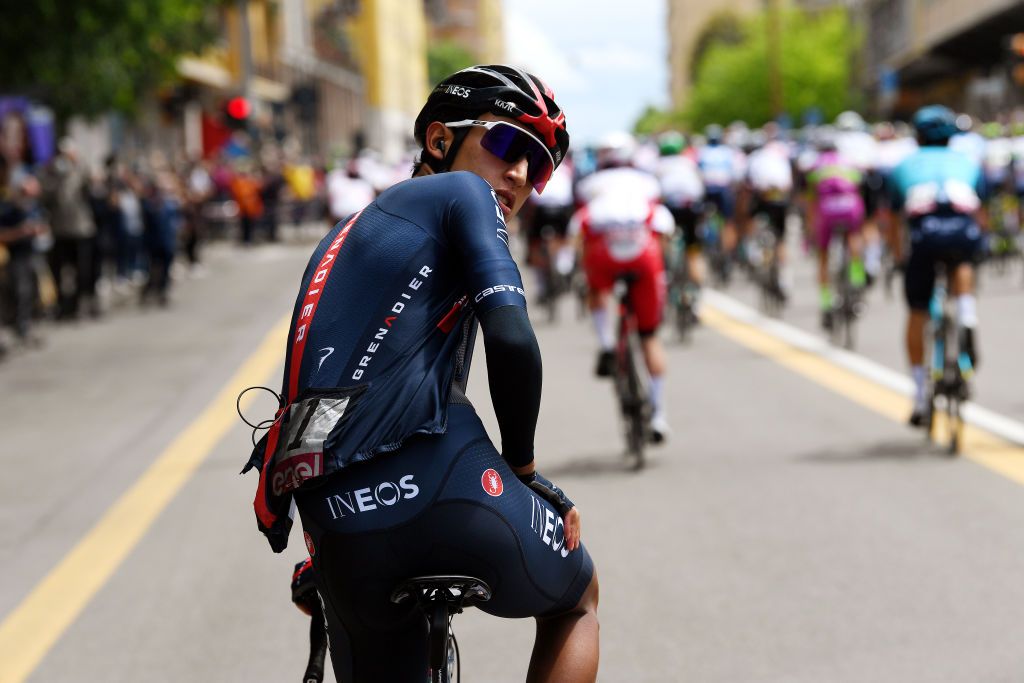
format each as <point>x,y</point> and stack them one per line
<point>621,226</point>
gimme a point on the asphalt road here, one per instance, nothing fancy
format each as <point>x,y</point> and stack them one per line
<point>788,532</point>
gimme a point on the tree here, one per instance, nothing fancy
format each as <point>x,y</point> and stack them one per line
<point>92,56</point>
<point>817,50</point>
<point>724,27</point>
<point>445,58</point>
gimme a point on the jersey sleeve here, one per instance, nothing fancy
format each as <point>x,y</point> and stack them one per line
<point>476,229</point>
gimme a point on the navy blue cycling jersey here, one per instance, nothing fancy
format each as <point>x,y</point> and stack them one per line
<point>383,329</point>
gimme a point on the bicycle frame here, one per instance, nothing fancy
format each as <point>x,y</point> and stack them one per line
<point>948,366</point>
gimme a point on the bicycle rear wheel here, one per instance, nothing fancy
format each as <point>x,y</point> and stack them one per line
<point>629,388</point>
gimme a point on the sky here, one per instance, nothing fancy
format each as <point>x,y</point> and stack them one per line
<point>606,61</point>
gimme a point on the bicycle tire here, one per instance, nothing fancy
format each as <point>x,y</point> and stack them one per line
<point>632,404</point>
<point>954,424</point>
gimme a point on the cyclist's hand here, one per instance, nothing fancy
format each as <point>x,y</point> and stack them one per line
<point>557,498</point>
<point>572,529</point>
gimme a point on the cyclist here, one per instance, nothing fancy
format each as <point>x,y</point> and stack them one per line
<point>550,211</point>
<point>682,192</point>
<point>939,191</point>
<point>721,167</point>
<point>770,182</point>
<point>834,188</point>
<point>621,227</point>
<point>403,479</point>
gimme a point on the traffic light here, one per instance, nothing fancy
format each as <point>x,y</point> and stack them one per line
<point>1015,48</point>
<point>237,111</point>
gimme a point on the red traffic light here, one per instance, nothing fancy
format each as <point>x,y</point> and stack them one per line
<point>239,108</point>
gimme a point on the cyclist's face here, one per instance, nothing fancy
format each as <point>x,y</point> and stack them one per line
<point>507,178</point>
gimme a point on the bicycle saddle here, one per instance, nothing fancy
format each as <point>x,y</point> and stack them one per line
<point>454,589</point>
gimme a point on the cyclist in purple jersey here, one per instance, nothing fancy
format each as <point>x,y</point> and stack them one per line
<point>836,203</point>
<point>377,443</point>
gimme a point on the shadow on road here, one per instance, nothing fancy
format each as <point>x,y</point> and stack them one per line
<point>908,449</point>
<point>595,466</point>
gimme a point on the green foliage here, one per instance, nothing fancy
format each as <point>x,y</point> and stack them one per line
<point>725,27</point>
<point>654,120</point>
<point>445,57</point>
<point>816,53</point>
<point>90,56</point>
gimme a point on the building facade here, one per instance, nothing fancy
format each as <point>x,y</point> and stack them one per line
<point>475,24</point>
<point>687,19</point>
<point>391,43</point>
<point>921,51</point>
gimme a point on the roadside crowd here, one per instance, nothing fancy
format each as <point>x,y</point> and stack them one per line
<point>78,242</point>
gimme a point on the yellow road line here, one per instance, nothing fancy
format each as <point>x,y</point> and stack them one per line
<point>978,445</point>
<point>35,625</point>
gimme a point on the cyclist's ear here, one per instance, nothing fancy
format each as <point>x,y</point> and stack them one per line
<point>438,140</point>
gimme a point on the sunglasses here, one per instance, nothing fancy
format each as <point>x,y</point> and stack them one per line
<point>510,144</point>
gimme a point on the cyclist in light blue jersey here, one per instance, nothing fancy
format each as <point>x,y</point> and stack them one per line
<point>939,192</point>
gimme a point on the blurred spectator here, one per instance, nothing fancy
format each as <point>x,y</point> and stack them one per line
<point>347,192</point>
<point>245,188</point>
<point>200,189</point>
<point>163,219</point>
<point>18,230</point>
<point>65,196</point>
<point>273,186</point>
<point>131,226</point>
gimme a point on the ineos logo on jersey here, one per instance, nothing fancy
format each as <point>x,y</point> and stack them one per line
<point>367,499</point>
<point>457,90</point>
<point>395,311</point>
<point>549,527</point>
<point>496,289</point>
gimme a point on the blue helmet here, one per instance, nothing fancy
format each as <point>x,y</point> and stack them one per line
<point>935,123</point>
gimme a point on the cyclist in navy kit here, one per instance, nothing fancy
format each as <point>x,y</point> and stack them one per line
<point>376,442</point>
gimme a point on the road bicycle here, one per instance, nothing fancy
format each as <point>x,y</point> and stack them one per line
<point>631,381</point>
<point>951,367</point>
<point>439,598</point>
<point>682,290</point>
<point>711,234</point>
<point>555,281</point>
<point>847,300</point>
<point>762,256</point>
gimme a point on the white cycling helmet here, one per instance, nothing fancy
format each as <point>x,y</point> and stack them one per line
<point>850,121</point>
<point>615,149</point>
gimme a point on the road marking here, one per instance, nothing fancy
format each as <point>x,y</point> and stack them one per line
<point>35,625</point>
<point>859,380</point>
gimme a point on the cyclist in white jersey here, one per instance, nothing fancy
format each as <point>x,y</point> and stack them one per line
<point>621,226</point>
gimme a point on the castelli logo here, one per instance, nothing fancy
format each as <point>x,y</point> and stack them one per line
<point>491,481</point>
<point>309,543</point>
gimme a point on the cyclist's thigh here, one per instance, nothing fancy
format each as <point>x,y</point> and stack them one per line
<point>919,277</point>
<point>599,266</point>
<point>649,291</point>
<point>722,198</point>
<point>686,219</point>
<point>776,212</point>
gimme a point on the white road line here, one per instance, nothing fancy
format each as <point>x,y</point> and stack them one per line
<point>989,420</point>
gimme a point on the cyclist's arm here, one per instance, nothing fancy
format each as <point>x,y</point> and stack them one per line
<point>514,374</point>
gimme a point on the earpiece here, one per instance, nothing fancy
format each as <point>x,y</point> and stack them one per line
<point>440,146</point>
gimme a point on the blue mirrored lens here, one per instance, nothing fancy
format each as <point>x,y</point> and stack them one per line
<point>510,144</point>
